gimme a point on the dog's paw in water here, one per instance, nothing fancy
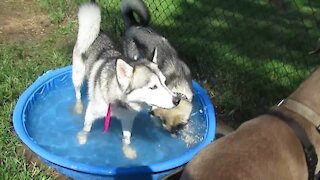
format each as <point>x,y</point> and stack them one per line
<point>78,107</point>
<point>126,140</point>
<point>82,137</point>
<point>129,152</point>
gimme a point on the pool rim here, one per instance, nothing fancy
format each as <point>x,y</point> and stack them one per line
<point>21,131</point>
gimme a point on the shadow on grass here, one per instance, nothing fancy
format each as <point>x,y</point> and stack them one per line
<point>254,53</point>
<point>251,53</point>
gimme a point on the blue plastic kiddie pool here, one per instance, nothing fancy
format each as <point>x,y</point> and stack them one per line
<point>44,120</point>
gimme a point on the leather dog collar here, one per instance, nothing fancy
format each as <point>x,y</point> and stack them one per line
<point>302,110</point>
<point>314,118</point>
<point>308,148</point>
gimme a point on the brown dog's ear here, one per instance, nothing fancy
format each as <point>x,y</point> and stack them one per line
<point>155,56</point>
<point>124,72</point>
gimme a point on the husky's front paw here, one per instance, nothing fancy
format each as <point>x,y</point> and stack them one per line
<point>78,107</point>
<point>82,137</point>
<point>126,140</point>
<point>129,152</point>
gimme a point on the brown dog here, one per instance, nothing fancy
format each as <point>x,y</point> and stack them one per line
<point>265,147</point>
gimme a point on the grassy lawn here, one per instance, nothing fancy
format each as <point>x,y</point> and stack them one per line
<point>20,65</point>
<point>21,62</point>
<point>248,54</point>
<point>251,53</point>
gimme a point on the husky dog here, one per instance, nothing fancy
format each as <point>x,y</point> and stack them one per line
<point>139,42</point>
<point>128,86</point>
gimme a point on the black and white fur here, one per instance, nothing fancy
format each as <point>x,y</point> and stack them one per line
<point>129,86</point>
<point>139,42</point>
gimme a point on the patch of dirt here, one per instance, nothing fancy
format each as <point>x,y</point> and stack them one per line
<point>22,20</point>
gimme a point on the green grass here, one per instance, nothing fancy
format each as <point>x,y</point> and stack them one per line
<point>20,65</point>
<point>249,55</point>
<point>253,53</point>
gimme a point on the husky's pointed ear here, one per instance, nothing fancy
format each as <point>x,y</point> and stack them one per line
<point>155,55</point>
<point>124,72</point>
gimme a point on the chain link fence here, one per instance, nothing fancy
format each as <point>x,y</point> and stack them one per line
<point>248,54</point>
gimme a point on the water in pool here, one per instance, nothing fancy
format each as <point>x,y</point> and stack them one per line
<point>53,125</point>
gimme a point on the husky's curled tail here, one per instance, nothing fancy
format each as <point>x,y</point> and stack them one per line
<point>89,17</point>
<point>128,7</point>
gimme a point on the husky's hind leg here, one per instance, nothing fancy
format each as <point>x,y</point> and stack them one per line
<point>78,75</point>
<point>94,111</point>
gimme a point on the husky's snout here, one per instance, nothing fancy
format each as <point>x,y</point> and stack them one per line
<point>176,100</point>
<point>175,129</point>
